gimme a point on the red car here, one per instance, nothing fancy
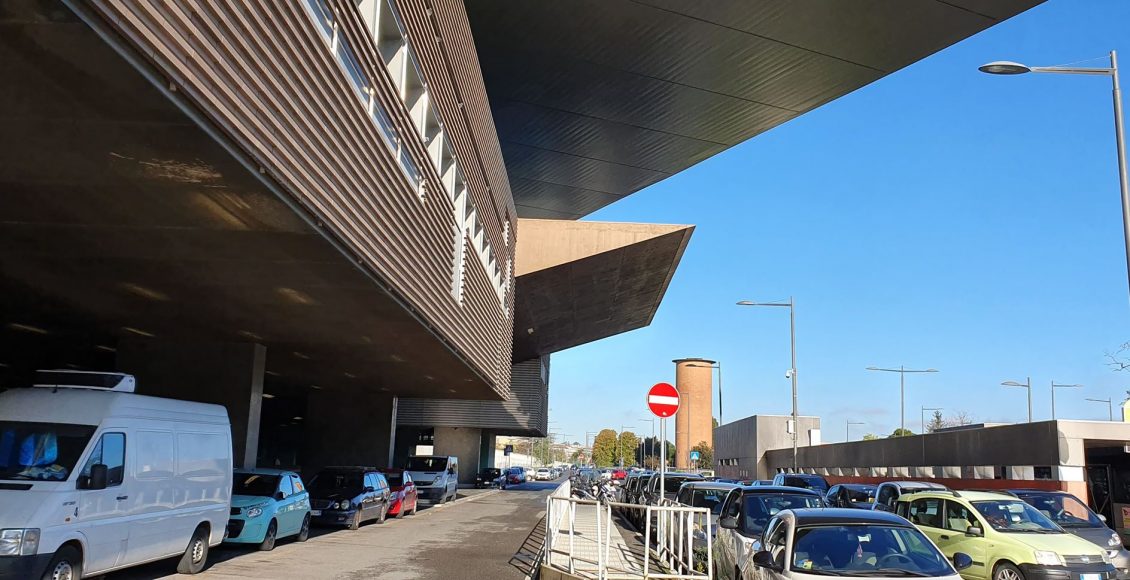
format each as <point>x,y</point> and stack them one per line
<point>619,474</point>
<point>403,498</point>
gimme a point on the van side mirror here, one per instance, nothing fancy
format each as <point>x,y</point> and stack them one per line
<point>975,532</point>
<point>99,475</point>
<point>962,561</point>
<point>728,522</point>
<point>764,559</point>
<point>451,470</point>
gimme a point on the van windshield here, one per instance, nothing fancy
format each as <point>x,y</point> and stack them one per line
<point>41,451</point>
<point>427,463</point>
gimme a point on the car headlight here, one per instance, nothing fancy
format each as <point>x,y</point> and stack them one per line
<point>1114,540</point>
<point>254,512</point>
<point>343,505</point>
<point>19,541</point>
<point>1045,558</point>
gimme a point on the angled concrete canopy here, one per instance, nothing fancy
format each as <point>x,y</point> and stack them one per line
<point>577,282</point>
<point>596,99</point>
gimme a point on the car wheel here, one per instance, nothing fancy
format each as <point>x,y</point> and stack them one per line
<point>355,521</point>
<point>66,564</point>
<point>196,554</point>
<point>268,542</point>
<point>304,531</point>
<point>383,514</point>
<point>403,505</point>
<point>1006,571</point>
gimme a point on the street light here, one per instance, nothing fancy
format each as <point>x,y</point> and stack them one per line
<point>902,388</point>
<point>792,369</point>
<point>1015,68</point>
<point>643,452</point>
<point>1109,407</point>
<point>1055,386</point>
<point>719,367</point>
<point>1027,385</point>
<point>847,428</point>
<point>922,416</point>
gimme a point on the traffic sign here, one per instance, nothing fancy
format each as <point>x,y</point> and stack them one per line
<point>695,456</point>
<point>663,400</point>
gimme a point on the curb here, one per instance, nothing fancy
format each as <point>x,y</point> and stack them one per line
<point>469,498</point>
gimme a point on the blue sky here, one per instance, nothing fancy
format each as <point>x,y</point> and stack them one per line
<point>939,217</point>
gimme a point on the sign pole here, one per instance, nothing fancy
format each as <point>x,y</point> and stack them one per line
<point>662,457</point>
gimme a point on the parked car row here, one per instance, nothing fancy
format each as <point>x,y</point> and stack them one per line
<point>906,529</point>
<point>95,478</point>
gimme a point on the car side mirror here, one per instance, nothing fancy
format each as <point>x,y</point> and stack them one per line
<point>962,561</point>
<point>728,522</point>
<point>99,475</point>
<point>974,531</point>
<point>369,489</point>
<point>1102,518</point>
<point>764,559</point>
<point>280,495</point>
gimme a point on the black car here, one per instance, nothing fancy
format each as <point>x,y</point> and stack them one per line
<point>490,477</point>
<point>348,496</point>
<point>803,481</point>
<point>851,495</point>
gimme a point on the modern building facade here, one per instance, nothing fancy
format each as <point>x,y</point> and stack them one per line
<point>353,222</point>
<point>694,423</point>
<point>741,447</point>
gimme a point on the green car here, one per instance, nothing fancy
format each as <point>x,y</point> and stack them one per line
<point>1007,538</point>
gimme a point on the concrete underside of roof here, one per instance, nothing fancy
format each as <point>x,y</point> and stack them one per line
<point>597,99</point>
<point>122,217</point>
<point>577,282</point>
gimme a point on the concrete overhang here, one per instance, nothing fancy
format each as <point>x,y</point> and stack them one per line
<point>597,99</point>
<point>579,281</point>
<point>121,216</point>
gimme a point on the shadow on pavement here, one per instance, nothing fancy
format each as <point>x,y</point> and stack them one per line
<point>527,557</point>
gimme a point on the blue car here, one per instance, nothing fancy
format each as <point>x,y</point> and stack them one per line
<point>268,504</point>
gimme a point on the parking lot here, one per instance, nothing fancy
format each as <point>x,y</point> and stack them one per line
<point>484,534</point>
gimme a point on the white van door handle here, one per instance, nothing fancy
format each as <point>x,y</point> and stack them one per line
<point>123,497</point>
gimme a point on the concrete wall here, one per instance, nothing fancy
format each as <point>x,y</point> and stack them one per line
<point>694,379</point>
<point>348,428</point>
<point>461,442</point>
<point>747,440</point>
<point>228,374</point>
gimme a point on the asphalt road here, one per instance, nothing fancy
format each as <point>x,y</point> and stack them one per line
<point>487,534</point>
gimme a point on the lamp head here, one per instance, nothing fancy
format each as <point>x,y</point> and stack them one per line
<point>1013,384</point>
<point>746,303</point>
<point>1004,67</point>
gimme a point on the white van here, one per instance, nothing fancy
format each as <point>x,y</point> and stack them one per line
<point>94,478</point>
<point>436,476</point>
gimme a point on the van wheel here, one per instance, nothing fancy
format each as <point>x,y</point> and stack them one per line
<point>304,531</point>
<point>196,554</point>
<point>1006,571</point>
<point>66,564</point>
<point>268,542</point>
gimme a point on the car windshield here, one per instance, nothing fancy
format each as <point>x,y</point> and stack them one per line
<point>332,482</point>
<point>427,463</point>
<point>41,451</point>
<point>671,483</point>
<point>244,483</point>
<point>489,472</point>
<point>395,479</point>
<point>1065,510</point>
<point>1013,515</point>
<point>866,550</point>
<point>811,482</point>
<point>758,508</point>
<point>709,498</point>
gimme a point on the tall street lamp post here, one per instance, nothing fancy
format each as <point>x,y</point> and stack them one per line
<point>847,428</point>
<point>1055,386</point>
<point>1027,385</point>
<point>1109,407</point>
<point>719,367</point>
<point>1013,68</point>
<point>922,414</point>
<point>792,369</point>
<point>643,454</point>
<point>902,370</point>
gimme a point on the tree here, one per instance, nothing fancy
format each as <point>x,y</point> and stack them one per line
<point>960,418</point>
<point>705,455</point>
<point>870,437</point>
<point>900,432</point>
<point>1120,359</point>
<point>542,450</point>
<point>715,421</point>
<point>629,447</point>
<point>936,422</point>
<point>651,462</point>
<point>576,456</point>
<point>604,448</point>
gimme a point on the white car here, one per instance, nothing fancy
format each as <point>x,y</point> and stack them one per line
<point>543,474</point>
<point>812,544</point>
<point>745,513</point>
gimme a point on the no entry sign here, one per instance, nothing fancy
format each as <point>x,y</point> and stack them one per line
<point>663,400</point>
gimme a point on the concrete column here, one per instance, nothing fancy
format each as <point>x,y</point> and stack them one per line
<point>461,442</point>
<point>487,450</point>
<point>228,374</point>
<point>348,428</point>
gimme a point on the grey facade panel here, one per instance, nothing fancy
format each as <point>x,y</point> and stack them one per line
<point>742,447</point>
<point>524,413</point>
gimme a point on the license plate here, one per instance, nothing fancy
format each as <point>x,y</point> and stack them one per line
<point>1090,577</point>
<point>319,512</point>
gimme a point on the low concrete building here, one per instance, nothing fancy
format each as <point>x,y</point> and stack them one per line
<point>740,446</point>
<point>1090,459</point>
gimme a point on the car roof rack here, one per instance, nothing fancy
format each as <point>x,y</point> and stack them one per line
<point>988,490</point>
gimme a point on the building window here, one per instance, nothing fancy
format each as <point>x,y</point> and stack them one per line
<point>1042,472</point>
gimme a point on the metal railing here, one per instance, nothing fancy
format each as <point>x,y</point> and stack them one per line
<point>677,540</point>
